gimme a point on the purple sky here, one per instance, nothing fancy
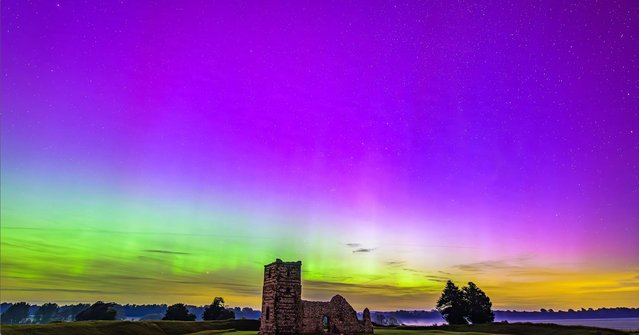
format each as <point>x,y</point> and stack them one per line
<point>508,127</point>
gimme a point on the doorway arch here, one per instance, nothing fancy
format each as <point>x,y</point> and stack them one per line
<point>326,324</point>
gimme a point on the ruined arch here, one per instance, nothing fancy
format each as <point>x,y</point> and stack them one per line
<point>326,323</point>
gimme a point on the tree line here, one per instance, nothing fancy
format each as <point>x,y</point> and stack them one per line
<point>399,317</point>
<point>50,312</point>
<point>215,311</point>
<point>456,305</point>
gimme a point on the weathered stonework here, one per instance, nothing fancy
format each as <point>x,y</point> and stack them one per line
<point>284,312</point>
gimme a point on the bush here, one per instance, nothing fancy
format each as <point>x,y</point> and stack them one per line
<point>178,312</point>
<point>98,311</point>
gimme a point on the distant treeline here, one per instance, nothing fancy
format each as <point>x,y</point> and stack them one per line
<point>37,313</point>
<point>157,311</point>
<point>140,311</point>
<point>543,314</point>
<point>421,317</point>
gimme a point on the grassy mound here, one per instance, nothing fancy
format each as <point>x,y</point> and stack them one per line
<point>518,328</point>
<point>244,327</point>
<point>390,331</point>
<point>251,327</point>
<point>226,332</point>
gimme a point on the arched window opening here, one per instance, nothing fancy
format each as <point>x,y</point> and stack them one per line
<point>268,312</point>
<point>326,324</point>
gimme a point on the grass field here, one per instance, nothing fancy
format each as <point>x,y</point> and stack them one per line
<point>502,328</point>
<point>388,331</point>
<point>250,327</point>
<point>237,327</point>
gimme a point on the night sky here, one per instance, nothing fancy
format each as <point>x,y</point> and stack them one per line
<point>164,151</point>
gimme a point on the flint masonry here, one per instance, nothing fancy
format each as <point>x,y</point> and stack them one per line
<point>284,312</point>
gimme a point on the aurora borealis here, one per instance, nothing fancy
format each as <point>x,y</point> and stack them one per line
<point>163,151</point>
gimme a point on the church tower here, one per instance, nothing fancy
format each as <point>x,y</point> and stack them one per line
<point>281,298</point>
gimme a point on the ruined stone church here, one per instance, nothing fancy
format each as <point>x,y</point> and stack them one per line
<point>284,312</point>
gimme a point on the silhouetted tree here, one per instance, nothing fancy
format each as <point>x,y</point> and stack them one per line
<point>380,319</point>
<point>16,313</point>
<point>217,311</point>
<point>68,312</point>
<point>178,312</point>
<point>247,313</point>
<point>392,321</point>
<point>452,305</point>
<point>479,307</point>
<point>98,311</point>
<point>46,312</point>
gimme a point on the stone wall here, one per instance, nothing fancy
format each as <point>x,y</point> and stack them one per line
<point>312,316</point>
<point>368,324</point>
<point>284,312</point>
<point>341,317</point>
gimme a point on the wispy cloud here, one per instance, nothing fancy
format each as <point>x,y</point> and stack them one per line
<point>169,252</point>
<point>435,278</point>
<point>395,263</point>
<point>505,264</point>
<point>621,285</point>
<point>54,290</point>
<point>358,248</point>
<point>482,266</point>
<point>382,289</point>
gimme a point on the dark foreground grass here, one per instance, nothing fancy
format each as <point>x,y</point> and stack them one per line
<point>134,328</point>
<point>392,331</point>
<point>518,328</point>
<point>251,327</point>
